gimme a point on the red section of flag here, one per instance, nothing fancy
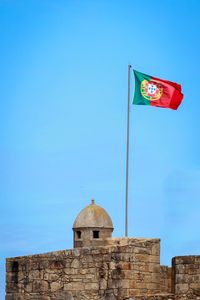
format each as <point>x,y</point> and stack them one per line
<point>171,96</point>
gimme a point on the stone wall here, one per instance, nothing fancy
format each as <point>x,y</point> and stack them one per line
<point>123,269</point>
<point>165,279</point>
<point>186,277</point>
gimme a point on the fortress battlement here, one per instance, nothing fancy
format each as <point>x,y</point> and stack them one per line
<point>102,268</point>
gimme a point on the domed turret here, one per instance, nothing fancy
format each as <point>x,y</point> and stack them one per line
<point>92,226</point>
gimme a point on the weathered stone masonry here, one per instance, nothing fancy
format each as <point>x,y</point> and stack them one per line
<point>125,268</point>
<point>102,268</point>
<point>186,276</point>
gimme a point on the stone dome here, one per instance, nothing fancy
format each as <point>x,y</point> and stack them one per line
<point>93,216</point>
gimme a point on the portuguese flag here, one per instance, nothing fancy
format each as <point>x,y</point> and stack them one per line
<point>156,92</point>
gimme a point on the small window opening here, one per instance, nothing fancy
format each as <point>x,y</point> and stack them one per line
<point>95,234</point>
<point>78,234</point>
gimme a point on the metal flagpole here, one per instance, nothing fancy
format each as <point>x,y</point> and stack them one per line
<point>127,153</point>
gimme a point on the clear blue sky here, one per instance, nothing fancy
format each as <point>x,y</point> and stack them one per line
<point>63,97</point>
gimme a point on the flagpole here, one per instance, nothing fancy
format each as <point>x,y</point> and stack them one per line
<point>127,153</point>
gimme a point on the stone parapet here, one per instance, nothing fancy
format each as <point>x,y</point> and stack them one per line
<point>186,277</point>
<point>165,279</point>
<point>123,269</point>
<point>84,295</point>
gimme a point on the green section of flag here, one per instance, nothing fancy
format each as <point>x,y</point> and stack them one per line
<point>138,98</point>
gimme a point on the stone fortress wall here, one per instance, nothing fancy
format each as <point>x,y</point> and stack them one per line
<point>102,268</point>
<point>186,276</point>
<point>122,269</point>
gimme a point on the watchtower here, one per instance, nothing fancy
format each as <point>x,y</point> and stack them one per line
<point>92,226</point>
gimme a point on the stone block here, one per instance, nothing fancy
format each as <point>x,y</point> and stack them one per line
<point>75,264</point>
<point>40,286</point>
<point>74,286</point>
<point>92,286</point>
<point>154,259</point>
<point>180,269</point>
<point>181,288</point>
<point>155,250</point>
<point>51,276</point>
<point>55,286</point>
<point>142,257</point>
<point>154,268</point>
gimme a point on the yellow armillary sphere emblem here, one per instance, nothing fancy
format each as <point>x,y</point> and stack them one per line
<point>151,90</point>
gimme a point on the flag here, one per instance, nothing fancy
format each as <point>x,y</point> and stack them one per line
<point>153,91</point>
